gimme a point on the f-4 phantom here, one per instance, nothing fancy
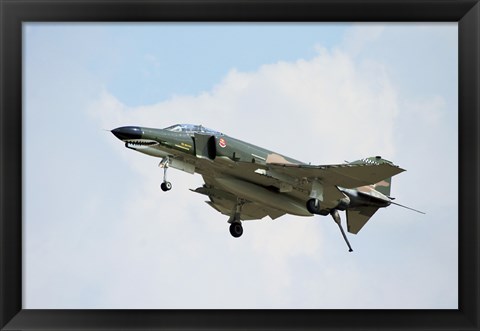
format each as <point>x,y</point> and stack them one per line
<point>247,182</point>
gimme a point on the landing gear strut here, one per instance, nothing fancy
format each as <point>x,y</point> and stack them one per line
<point>165,186</point>
<point>336,218</point>
<point>313,206</point>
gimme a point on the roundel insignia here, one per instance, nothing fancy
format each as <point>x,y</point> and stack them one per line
<point>222,143</point>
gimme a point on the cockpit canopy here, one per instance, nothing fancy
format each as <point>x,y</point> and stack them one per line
<point>191,128</point>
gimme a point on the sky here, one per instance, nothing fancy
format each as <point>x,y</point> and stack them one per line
<point>99,232</point>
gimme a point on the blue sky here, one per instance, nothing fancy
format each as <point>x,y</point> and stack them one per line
<point>99,233</point>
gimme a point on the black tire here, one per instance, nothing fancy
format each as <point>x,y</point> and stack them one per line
<point>166,186</point>
<point>236,229</point>
<point>324,212</point>
<point>313,206</point>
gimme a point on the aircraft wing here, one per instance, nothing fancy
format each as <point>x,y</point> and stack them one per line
<point>343,175</point>
<point>224,202</point>
<point>292,179</point>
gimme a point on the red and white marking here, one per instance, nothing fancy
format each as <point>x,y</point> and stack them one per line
<point>222,143</point>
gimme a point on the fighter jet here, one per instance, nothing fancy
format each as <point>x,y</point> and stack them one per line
<point>247,182</point>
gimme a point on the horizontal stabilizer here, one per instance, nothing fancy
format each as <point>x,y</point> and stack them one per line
<point>358,217</point>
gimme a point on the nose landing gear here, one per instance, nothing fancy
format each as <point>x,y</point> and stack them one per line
<point>165,186</point>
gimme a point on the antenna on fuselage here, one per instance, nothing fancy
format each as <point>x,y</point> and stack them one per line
<point>397,204</point>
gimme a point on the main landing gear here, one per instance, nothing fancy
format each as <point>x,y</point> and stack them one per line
<point>165,186</point>
<point>236,228</point>
<point>313,206</point>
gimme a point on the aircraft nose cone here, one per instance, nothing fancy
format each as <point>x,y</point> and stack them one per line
<point>128,132</point>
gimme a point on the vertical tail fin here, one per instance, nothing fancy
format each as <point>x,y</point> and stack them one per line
<point>383,186</point>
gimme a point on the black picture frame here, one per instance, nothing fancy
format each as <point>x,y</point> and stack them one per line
<point>13,13</point>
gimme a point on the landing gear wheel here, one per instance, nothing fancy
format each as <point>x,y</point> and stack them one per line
<point>166,186</point>
<point>236,229</point>
<point>313,206</point>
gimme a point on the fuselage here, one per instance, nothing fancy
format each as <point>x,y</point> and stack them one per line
<point>195,149</point>
<point>161,142</point>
